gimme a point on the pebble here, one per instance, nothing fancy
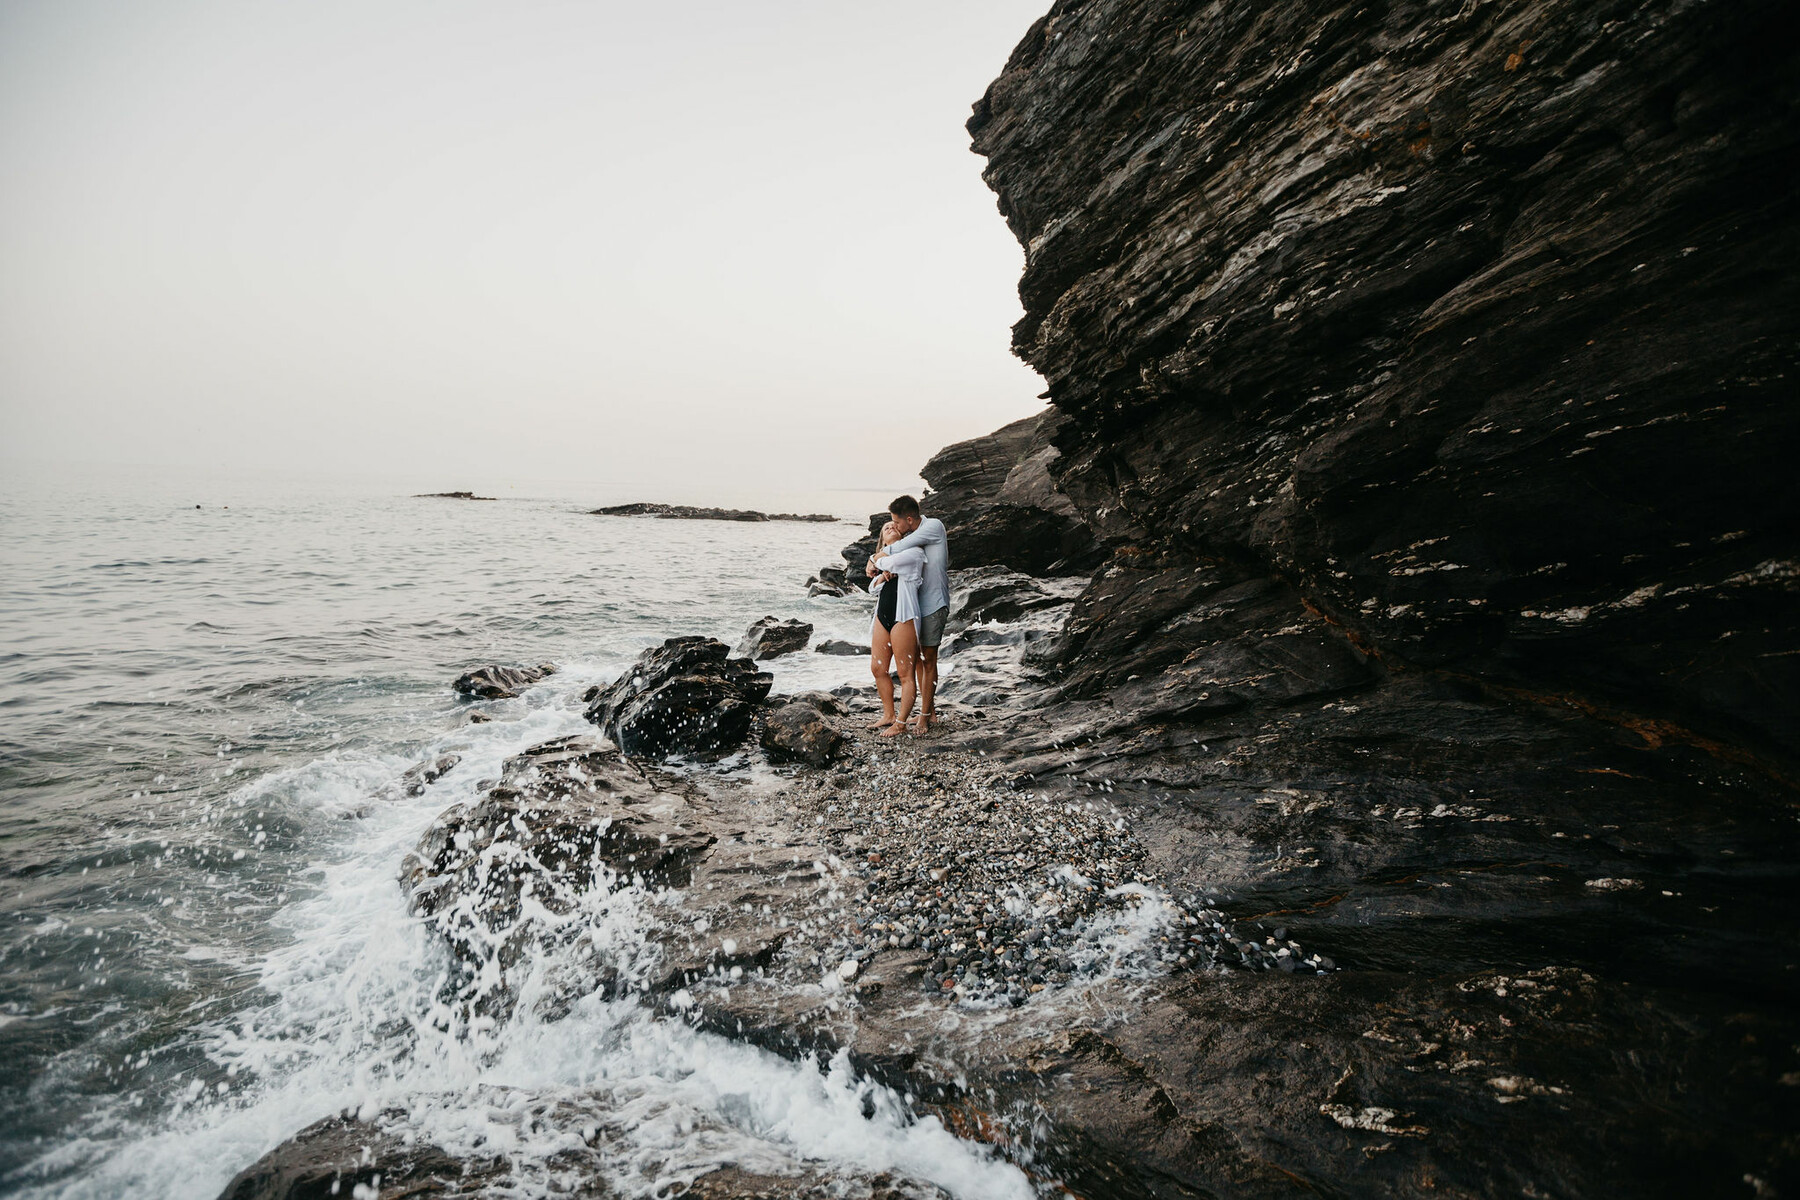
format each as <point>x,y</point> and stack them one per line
<point>1010,890</point>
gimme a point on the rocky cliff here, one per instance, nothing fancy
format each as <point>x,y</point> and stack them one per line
<point>1428,371</point>
<point>1476,324</point>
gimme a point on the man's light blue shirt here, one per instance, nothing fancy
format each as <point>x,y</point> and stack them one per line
<point>934,587</point>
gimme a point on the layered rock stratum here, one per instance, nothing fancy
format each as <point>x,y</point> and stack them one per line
<point>1476,323</point>
<point>1428,373</point>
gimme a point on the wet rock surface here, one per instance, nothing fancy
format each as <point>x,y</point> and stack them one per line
<point>981,594</point>
<point>771,637</point>
<point>418,778</point>
<point>843,649</point>
<point>566,819</point>
<point>375,1160</point>
<point>687,696</point>
<point>500,682</point>
<point>341,1156</point>
<point>798,731</point>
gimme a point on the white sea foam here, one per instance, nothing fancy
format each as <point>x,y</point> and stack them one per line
<point>356,1020</point>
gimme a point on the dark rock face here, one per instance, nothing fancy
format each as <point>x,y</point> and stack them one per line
<point>1426,372</point>
<point>1478,327</point>
<point>799,732</point>
<point>828,582</point>
<point>1001,506</point>
<point>451,496</point>
<point>346,1158</point>
<point>687,512</point>
<point>768,637</point>
<point>997,594</point>
<point>500,683</point>
<point>686,696</point>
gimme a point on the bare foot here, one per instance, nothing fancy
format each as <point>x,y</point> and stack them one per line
<point>894,730</point>
<point>883,723</point>
<point>920,724</point>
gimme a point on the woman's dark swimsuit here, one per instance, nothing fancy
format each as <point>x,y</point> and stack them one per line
<point>887,603</point>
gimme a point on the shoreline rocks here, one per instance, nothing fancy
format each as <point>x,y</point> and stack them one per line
<point>770,637</point>
<point>687,696</point>
<point>500,682</point>
<point>452,496</point>
<point>840,648</point>
<point>797,731</point>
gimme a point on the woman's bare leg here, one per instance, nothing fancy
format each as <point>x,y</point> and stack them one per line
<point>881,652</point>
<point>904,639</point>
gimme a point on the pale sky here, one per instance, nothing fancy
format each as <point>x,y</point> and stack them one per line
<point>639,242</point>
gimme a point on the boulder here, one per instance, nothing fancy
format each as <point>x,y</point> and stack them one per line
<point>341,1156</point>
<point>799,732</point>
<point>770,637</point>
<point>828,582</point>
<point>566,817</point>
<point>687,696</point>
<point>1001,506</point>
<point>996,594</point>
<point>500,682</point>
<point>835,646</point>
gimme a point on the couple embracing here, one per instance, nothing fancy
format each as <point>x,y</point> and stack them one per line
<point>909,576</point>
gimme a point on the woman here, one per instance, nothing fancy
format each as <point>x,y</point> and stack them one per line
<point>894,635</point>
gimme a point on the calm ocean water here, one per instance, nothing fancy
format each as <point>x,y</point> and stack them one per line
<point>203,945</point>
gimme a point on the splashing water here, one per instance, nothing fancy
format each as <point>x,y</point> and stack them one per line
<point>205,945</point>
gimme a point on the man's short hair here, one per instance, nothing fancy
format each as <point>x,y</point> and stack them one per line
<point>904,506</point>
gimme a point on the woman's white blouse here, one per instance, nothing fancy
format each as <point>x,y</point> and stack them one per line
<point>908,568</point>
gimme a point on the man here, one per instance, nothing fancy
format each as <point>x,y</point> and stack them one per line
<point>929,535</point>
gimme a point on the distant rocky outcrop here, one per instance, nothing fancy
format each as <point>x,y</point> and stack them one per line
<point>687,696</point>
<point>452,496</point>
<point>500,682</point>
<point>685,512</point>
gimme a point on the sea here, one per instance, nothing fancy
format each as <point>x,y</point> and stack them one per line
<point>207,691</point>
